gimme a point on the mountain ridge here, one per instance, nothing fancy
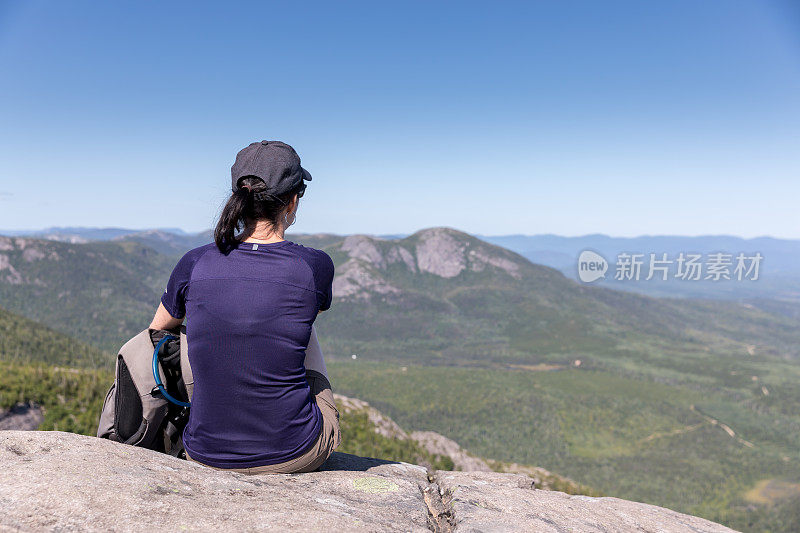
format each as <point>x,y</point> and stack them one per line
<point>410,273</point>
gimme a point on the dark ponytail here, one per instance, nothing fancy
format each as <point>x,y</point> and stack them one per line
<point>247,205</point>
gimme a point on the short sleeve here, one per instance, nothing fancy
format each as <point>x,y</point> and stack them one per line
<point>174,297</point>
<point>325,281</point>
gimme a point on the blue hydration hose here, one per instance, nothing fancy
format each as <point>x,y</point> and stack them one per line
<point>157,377</point>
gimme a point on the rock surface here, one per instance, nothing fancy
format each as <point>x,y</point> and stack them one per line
<point>24,417</point>
<point>487,501</point>
<point>57,481</point>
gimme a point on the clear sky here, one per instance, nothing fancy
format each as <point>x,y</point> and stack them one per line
<point>624,118</point>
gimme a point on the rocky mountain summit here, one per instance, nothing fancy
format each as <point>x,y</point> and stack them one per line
<point>369,261</point>
<point>53,481</point>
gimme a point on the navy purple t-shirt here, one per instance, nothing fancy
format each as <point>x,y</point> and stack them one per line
<point>248,321</point>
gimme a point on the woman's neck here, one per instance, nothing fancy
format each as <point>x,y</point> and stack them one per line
<point>264,233</point>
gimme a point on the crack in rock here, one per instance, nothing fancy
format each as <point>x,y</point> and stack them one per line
<point>441,515</point>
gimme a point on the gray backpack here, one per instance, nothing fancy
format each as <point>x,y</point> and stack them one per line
<point>148,403</point>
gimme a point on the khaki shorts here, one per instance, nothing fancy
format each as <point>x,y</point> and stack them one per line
<point>328,440</point>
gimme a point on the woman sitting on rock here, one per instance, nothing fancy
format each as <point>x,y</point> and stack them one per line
<point>262,402</point>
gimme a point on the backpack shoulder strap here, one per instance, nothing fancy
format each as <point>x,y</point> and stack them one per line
<point>138,356</point>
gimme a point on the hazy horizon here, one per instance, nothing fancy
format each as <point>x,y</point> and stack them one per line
<point>11,232</point>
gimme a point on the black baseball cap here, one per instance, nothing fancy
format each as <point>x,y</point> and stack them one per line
<point>275,162</point>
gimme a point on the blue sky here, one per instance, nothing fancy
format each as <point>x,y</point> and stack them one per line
<point>624,118</point>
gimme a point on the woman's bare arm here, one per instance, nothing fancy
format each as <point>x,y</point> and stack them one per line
<point>314,359</point>
<point>163,320</point>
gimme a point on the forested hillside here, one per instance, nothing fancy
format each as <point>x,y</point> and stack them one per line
<point>25,341</point>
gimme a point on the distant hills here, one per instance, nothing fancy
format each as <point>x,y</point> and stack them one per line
<point>439,293</point>
<point>779,279</point>
<point>779,273</point>
<point>441,296</point>
<point>83,234</point>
